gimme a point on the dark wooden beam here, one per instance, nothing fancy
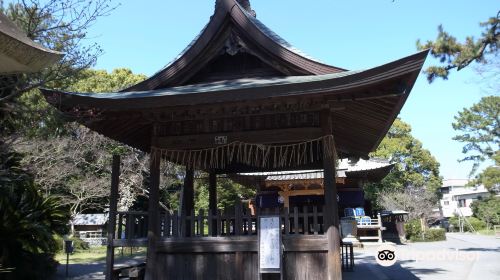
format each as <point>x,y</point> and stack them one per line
<point>208,244</point>
<point>331,205</point>
<point>113,202</point>
<point>299,243</point>
<point>140,242</point>
<point>153,214</point>
<point>269,136</point>
<point>212,199</point>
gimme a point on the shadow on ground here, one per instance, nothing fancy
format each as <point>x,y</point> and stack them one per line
<point>480,249</point>
<point>81,271</point>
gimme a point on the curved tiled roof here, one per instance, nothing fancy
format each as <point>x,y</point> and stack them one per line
<point>18,53</point>
<point>230,14</point>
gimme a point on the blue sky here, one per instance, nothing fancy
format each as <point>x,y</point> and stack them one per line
<point>146,35</point>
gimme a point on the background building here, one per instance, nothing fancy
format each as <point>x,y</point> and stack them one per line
<point>457,197</point>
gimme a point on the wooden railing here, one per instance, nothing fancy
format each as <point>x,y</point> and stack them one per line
<point>92,234</point>
<point>371,222</point>
<point>370,225</point>
<point>239,222</point>
<point>131,225</point>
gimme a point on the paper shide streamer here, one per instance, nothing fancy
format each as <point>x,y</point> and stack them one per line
<point>252,154</point>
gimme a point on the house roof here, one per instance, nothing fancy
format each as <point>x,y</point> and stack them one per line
<point>345,168</point>
<point>454,182</point>
<point>90,219</point>
<point>18,53</point>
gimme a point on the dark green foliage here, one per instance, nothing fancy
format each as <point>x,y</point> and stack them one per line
<point>228,192</point>
<point>455,55</point>
<point>29,221</point>
<point>479,128</point>
<point>59,242</point>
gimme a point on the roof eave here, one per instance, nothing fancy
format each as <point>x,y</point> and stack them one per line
<point>410,65</point>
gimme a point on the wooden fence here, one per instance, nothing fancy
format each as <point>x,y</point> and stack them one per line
<point>226,244</point>
<point>305,220</point>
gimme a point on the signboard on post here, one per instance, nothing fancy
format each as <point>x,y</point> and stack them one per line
<point>269,244</point>
<point>68,249</point>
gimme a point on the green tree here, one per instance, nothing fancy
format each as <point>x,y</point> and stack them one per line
<point>101,81</point>
<point>489,177</point>
<point>487,210</point>
<point>414,166</point>
<point>34,117</point>
<point>455,55</point>
<point>60,25</point>
<point>479,128</point>
<point>228,192</point>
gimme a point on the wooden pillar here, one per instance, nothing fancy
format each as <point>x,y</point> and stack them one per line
<point>153,215</point>
<point>331,215</point>
<point>212,199</point>
<point>113,203</point>
<point>187,199</point>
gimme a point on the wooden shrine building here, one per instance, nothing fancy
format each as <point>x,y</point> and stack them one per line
<point>241,99</point>
<point>306,187</point>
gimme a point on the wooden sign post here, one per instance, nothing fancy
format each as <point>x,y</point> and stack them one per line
<point>269,245</point>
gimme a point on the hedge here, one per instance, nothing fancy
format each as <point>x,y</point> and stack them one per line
<point>414,232</point>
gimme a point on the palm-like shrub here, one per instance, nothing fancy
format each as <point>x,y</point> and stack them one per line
<point>29,221</point>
